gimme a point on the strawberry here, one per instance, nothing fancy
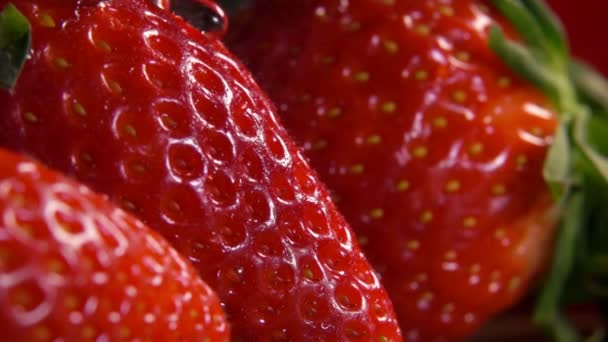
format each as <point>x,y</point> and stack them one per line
<point>139,105</point>
<point>433,147</point>
<point>74,267</point>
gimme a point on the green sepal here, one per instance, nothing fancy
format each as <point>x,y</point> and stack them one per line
<point>523,62</point>
<point>554,33</point>
<point>591,86</point>
<point>15,42</point>
<point>591,137</point>
<point>558,165</point>
<point>547,312</point>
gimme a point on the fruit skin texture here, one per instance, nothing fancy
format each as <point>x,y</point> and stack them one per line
<point>74,266</point>
<point>433,149</point>
<point>140,106</point>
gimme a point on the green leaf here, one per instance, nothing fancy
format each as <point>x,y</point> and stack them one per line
<point>591,137</point>
<point>590,84</point>
<point>15,41</point>
<point>547,311</point>
<point>558,165</point>
<point>525,23</point>
<point>523,62</point>
<point>554,33</point>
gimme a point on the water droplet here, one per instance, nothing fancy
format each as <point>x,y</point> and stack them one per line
<point>202,14</point>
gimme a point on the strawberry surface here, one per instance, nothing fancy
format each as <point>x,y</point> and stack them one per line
<point>74,267</point>
<point>137,104</point>
<point>433,148</point>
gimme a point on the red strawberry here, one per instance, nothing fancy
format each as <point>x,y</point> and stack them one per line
<point>73,267</point>
<point>139,105</point>
<point>433,147</point>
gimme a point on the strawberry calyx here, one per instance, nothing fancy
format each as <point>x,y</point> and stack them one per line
<point>576,168</point>
<point>15,42</point>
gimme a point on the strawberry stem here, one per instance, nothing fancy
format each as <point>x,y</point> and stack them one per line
<point>578,156</point>
<point>15,41</point>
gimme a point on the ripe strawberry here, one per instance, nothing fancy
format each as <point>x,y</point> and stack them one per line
<point>73,267</point>
<point>433,148</point>
<point>139,105</point>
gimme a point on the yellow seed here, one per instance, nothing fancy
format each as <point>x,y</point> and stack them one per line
<point>521,160</point>
<point>459,96</point>
<point>450,255</point>
<point>514,283</point>
<point>423,30</point>
<point>463,56</point>
<point>334,112</point>
<point>354,26</point>
<point>446,10</point>
<point>327,60</point>
<point>388,107</point>
<point>504,82</point>
<point>475,268</point>
<point>363,240</point>
<point>42,333</point>
<point>412,244</point>
<point>452,186</point>
<point>426,216</point>
<point>537,131</point>
<point>88,332</point>
<point>305,97</point>
<point>440,122</point>
<point>476,149</point>
<point>391,46</point>
<point>421,277</point>
<point>79,109</point>
<point>30,117</point>
<point>499,234</point>
<point>389,2</point>
<point>115,87</point>
<point>124,332</point>
<point>420,152</point>
<point>402,185</point>
<point>374,139</point>
<point>469,222</point>
<point>71,302</point>
<point>357,169</point>
<point>427,296</point>
<point>129,130</point>
<point>319,145</point>
<point>499,189</point>
<point>448,308</point>
<point>46,20</point>
<point>362,76</point>
<point>308,274</point>
<point>55,266</point>
<point>102,44</point>
<point>421,75</point>
<point>62,63</point>
<point>376,213</point>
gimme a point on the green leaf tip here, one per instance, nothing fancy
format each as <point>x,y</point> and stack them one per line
<point>15,42</point>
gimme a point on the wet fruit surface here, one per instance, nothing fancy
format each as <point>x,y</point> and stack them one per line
<point>74,267</point>
<point>131,101</point>
<point>432,147</point>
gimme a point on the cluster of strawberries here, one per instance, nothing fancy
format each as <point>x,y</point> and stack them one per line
<point>456,137</point>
